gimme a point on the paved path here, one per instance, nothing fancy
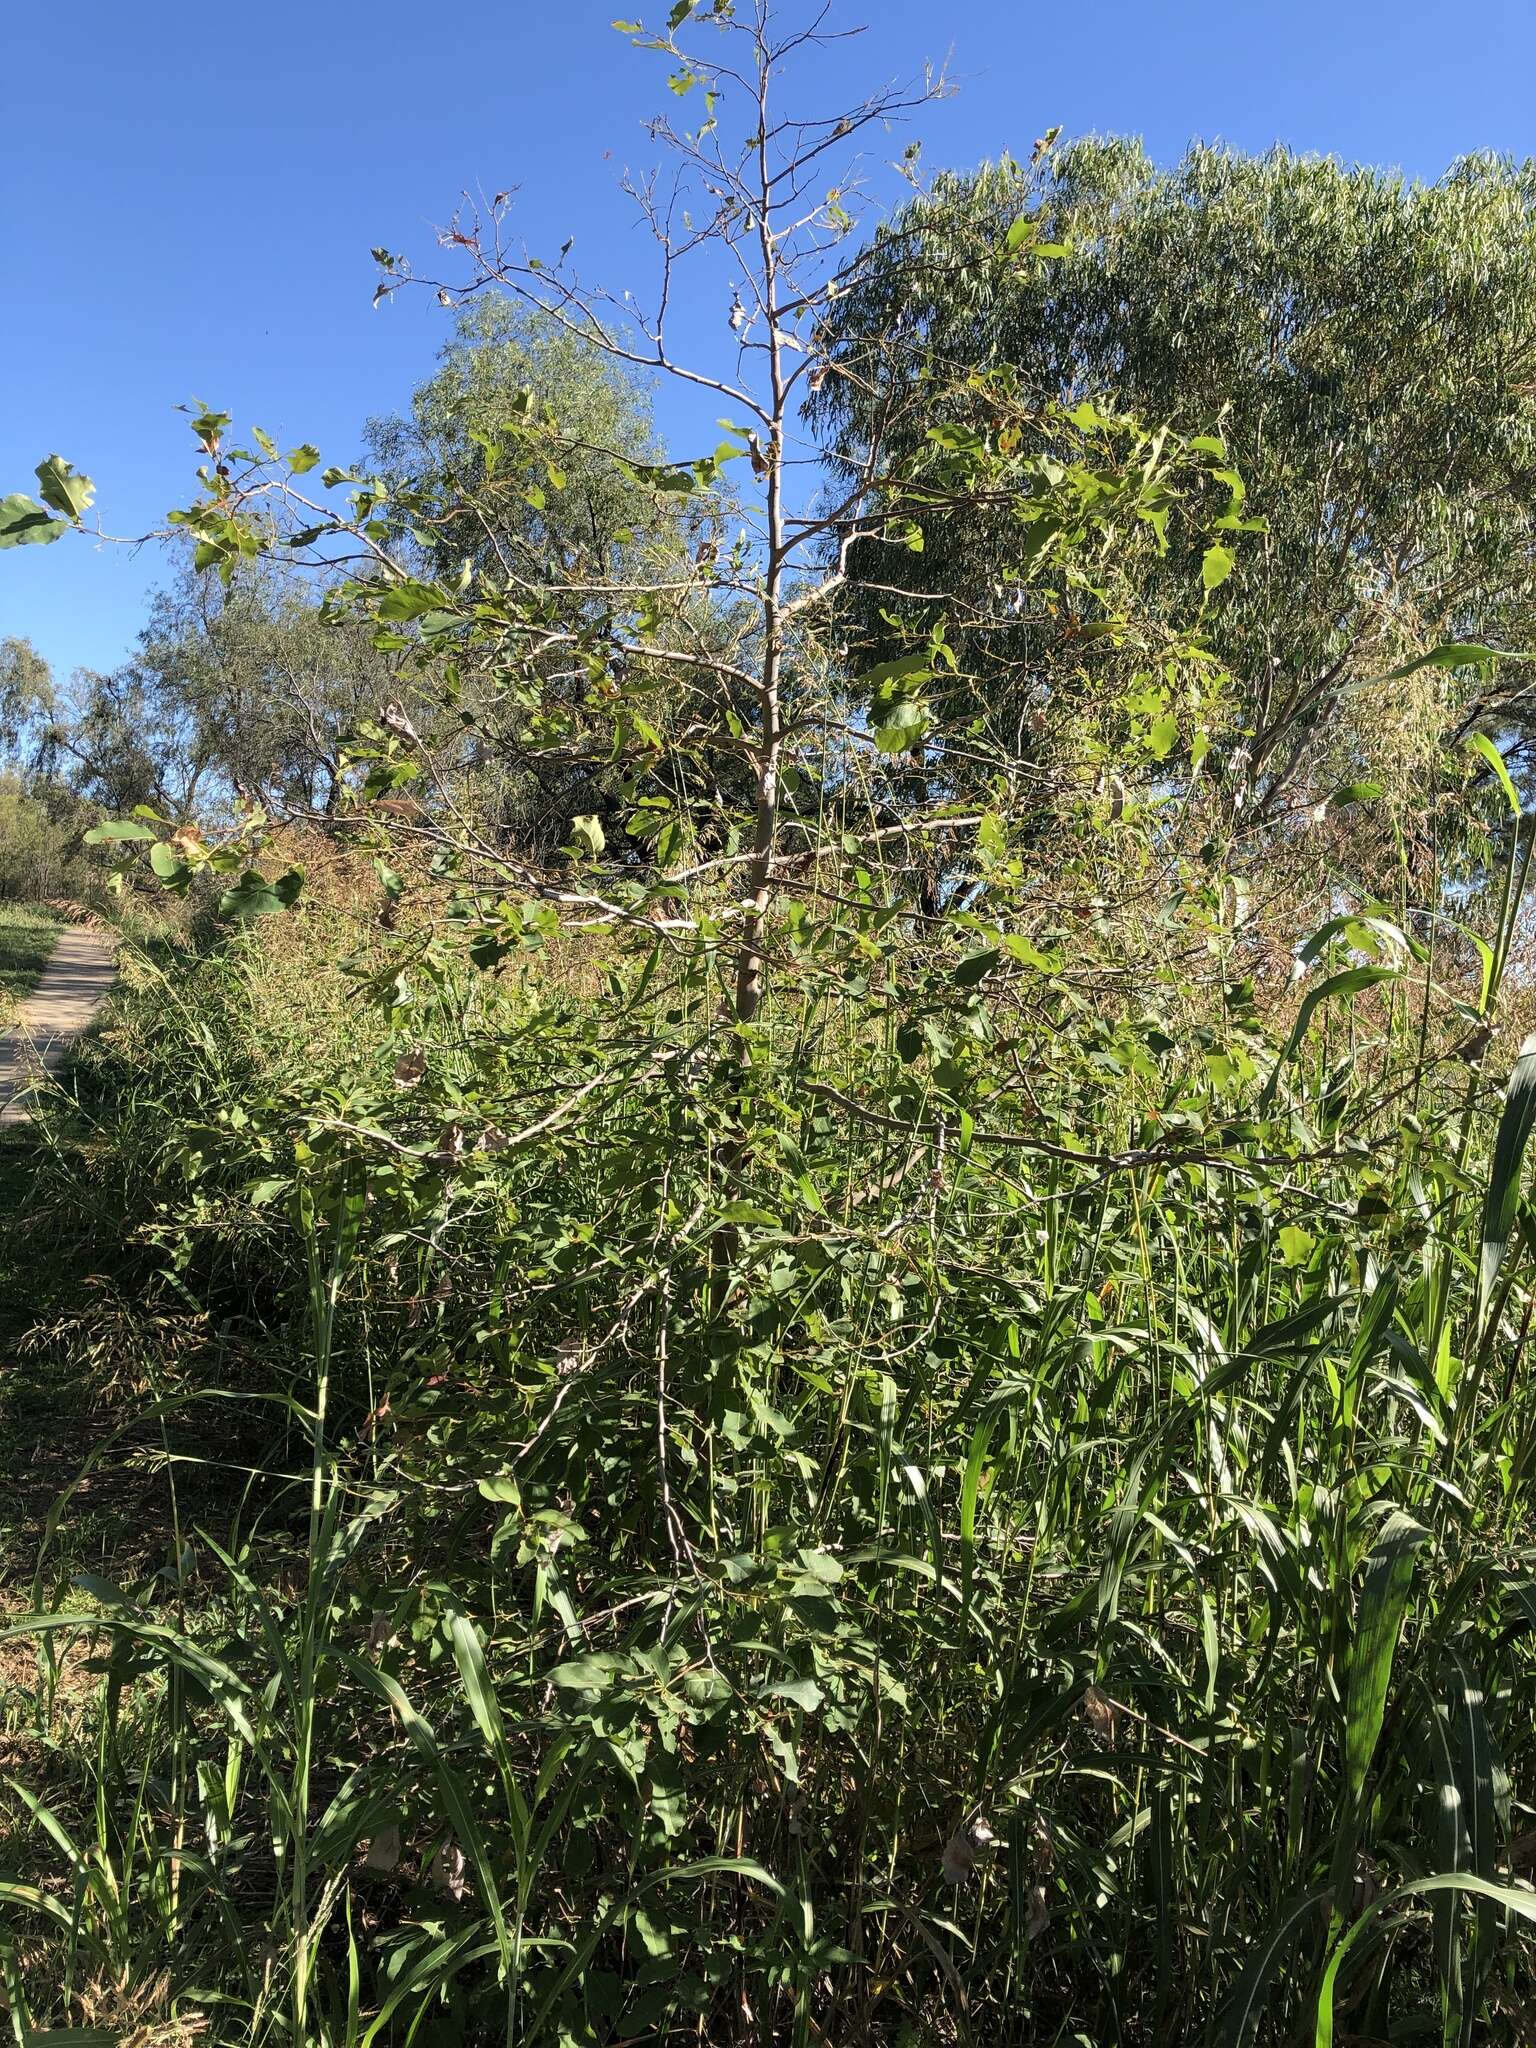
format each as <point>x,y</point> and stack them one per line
<point>73,988</point>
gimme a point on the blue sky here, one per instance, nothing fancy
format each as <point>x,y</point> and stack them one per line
<point>188,196</point>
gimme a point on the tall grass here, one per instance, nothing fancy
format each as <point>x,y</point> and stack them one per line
<point>27,937</point>
<point>1076,1584</point>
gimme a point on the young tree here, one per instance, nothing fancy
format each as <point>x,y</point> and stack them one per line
<point>860,1346</point>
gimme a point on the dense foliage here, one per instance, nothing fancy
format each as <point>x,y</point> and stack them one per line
<point>805,1341</point>
<point>1363,346</point>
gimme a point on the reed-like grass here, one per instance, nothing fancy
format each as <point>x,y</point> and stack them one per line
<point>1070,1581</point>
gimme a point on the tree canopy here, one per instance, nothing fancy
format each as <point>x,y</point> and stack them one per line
<point>1365,347</point>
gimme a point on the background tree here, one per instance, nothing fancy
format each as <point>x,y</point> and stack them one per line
<point>501,354</point>
<point>1365,348</point>
<point>260,681</point>
<point>590,518</point>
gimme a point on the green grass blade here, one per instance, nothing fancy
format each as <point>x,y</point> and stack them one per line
<point>1515,1125</point>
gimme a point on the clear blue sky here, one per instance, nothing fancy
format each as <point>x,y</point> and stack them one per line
<point>188,195</point>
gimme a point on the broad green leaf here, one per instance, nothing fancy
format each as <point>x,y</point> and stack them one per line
<point>976,967</point>
<point>408,600</point>
<point>63,488</point>
<point>23,521</point>
<point>902,727</point>
<point>1019,948</point>
<point>254,896</point>
<point>1296,1244</point>
<point>585,1674</point>
<point>1217,566</point>
<point>167,863</point>
<point>1162,737</point>
<point>117,828</point>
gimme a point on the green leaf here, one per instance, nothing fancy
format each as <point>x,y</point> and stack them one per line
<point>209,425</point>
<point>1162,737</point>
<point>1020,949</point>
<point>1513,1898</point>
<point>1283,1928</point>
<point>166,863</point>
<point>304,457</point>
<point>1296,1244</point>
<point>1480,744</point>
<point>902,727</point>
<point>970,1489</point>
<point>909,665</point>
<point>1218,565</point>
<point>1357,793</point>
<point>454,1793</point>
<point>409,600</point>
<point>1378,1624</point>
<point>977,966</point>
<point>117,828</point>
<point>254,896</point>
<point>1347,983</point>
<point>475,1677</point>
<point>1453,654</point>
<point>64,488</point>
<point>1503,1190</point>
<point>585,1674</point>
<point>587,834</point>
<point>800,1692</point>
<point>23,520</point>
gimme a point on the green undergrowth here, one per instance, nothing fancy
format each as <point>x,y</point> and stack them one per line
<point>1044,1600</point>
<point>27,937</point>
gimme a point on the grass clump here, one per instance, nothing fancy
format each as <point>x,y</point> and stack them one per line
<point>935,1588</point>
<point>27,938</point>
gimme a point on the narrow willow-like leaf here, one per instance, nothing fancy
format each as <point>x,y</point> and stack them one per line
<point>1379,1616</point>
<point>1514,1900</point>
<point>1480,744</point>
<point>1348,982</point>
<point>1503,1190</point>
<point>458,1803</point>
<point>1285,1929</point>
<point>969,1489</point>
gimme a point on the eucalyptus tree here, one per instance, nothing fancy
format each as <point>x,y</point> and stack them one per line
<point>259,683</point>
<point>592,518</point>
<point>1364,347</point>
<point>499,352</point>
